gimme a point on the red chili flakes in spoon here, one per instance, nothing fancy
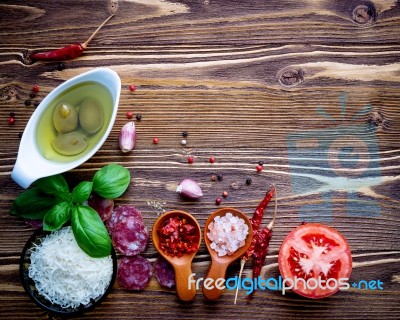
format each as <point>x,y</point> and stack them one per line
<point>178,237</point>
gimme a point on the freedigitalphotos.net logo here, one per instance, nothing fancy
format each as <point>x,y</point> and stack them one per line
<point>342,158</point>
<point>278,284</point>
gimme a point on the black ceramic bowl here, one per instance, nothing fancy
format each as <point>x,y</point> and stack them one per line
<point>29,284</point>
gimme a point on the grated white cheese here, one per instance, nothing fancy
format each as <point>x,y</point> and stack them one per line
<point>64,274</point>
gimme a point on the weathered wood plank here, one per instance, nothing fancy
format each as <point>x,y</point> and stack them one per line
<point>311,88</point>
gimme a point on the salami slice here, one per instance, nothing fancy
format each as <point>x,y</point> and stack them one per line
<point>134,273</point>
<point>104,207</point>
<point>164,273</point>
<point>128,232</point>
<point>121,214</point>
<point>130,237</point>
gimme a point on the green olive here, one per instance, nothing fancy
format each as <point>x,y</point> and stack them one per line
<point>65,118</point>
<point>91,116</point>
<point>70,143</point>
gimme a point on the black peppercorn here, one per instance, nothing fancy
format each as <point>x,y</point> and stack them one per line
<point>220,177</point>
<point>138,117</point>
<point>32,94</point>
<point>248,181</point>
<point>185,134</point>
<point>36,104</point>
<point>60,66</point>
<point>12,114</point>
<point>28,102</point>
<point>261,163</point>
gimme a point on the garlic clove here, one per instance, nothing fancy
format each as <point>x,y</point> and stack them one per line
<point>127,137</point>
<point>190,189</point>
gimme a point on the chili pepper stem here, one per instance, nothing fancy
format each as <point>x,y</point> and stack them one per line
<point>85,44</point>
<point>242,263</point>
<point>270,226</point>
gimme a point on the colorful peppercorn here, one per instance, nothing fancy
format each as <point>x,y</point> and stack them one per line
<point>35,88</point>
<point>212,159</point>
<point>183,142</point>
<point>132,87</point>
<point>60,66</point>
<point>225,194</point>
<point>156,140</point>
<point>259,168</point>
<point>129,114</point>
<point>218,201</point>
<point>190,159</point>
<point>11,120</point>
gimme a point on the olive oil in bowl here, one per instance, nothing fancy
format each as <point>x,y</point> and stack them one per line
<point>89,105</point>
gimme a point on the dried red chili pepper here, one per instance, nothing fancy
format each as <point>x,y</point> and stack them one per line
<point>258,246</point>
<point>256,221</point>
<point>261,248</point>
<point>260,253</point>
<point>69,52</point>
<point>178,237</point>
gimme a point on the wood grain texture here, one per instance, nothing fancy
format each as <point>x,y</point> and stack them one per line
<point>304,86</point>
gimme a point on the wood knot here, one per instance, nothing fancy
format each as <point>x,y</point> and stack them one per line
<point>290,76</point>
<point>9,93</point>
<point>112,6</point>
<point>364,13</point>
<point>377,119</point>
<point>25,58</point>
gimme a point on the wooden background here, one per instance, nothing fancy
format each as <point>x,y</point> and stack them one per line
<point>242,77</point>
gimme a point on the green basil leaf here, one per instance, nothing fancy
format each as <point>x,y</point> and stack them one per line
<point>82,191</point>
<point>32,204</point>
<point>57,216</point>
<point>54,185</point>
<point>90,232</point>
<point>111,181</point>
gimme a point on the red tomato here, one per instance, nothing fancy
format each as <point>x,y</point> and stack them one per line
<point>315,251</point>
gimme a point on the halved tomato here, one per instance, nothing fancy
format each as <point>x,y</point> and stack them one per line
<point>317,259</point>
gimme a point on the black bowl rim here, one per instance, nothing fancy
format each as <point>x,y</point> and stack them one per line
<point>81,309</point>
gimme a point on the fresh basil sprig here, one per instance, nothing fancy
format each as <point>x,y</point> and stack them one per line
<point>82,191</point>
<point>33,204</point>
<point>51,200</point>
<point>111,181</point>
<point>90,232</point>
<point>57,216</point>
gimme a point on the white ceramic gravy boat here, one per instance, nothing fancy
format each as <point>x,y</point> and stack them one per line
<point>31,164</point>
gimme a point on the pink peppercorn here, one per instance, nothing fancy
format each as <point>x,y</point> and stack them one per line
<point>132,87</point>
<point>218,201</point>
<point>259,168</point>
<point>190,159</point>
<point>155,140</point>
<point>129,114</point>
<point>212,159</point>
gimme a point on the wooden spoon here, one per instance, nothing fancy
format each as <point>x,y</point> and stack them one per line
<point>220,264</point>
<point>182,265</point>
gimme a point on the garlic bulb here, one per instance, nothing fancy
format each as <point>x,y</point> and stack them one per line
<point>127,137</point>
<point>190,189</point>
